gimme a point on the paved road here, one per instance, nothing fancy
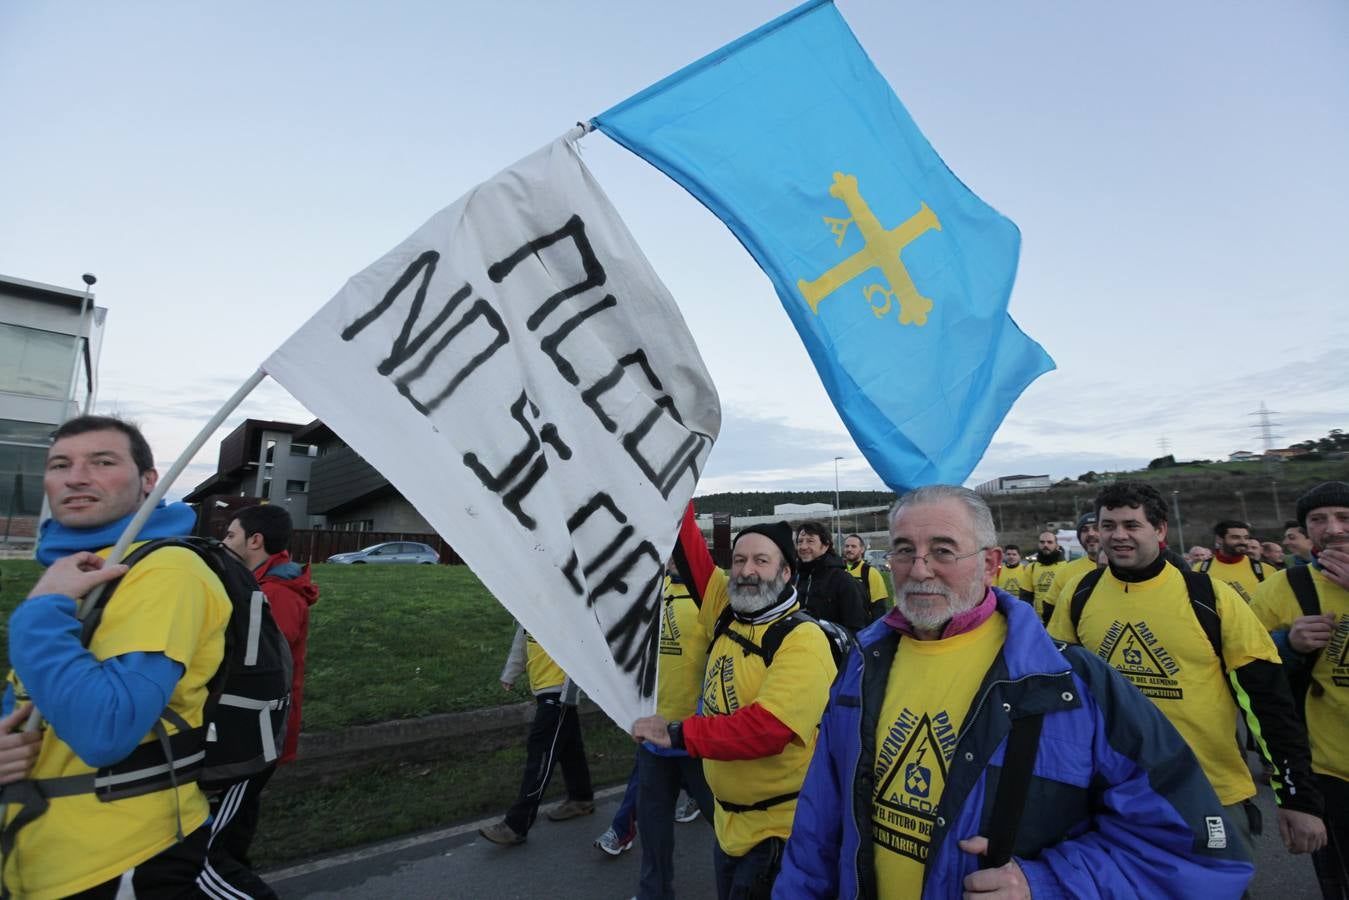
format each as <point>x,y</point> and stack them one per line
<point>558,861</point>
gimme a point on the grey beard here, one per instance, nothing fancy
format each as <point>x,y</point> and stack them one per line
<point>749,599</point>
<point>930,619</point>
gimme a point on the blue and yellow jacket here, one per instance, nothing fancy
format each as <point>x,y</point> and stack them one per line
<point>1117,806</point>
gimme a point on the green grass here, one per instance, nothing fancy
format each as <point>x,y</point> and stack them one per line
<point>385,642</point>
<point>394,800</point>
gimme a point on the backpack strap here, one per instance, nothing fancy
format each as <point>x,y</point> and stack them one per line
<point>1304,590</point>
<point>1083,594</point>
<point>1018,761</point>
<point>773,636</point>
<point>95,616</point>
<point>681,562</point>
<point>1204,605</point>
<point>1205,565</point>
<point>1259,569</point>
<point>757,807</point>
<point>866,580</point>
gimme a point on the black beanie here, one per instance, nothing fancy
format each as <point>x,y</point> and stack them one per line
<point>779,533</point>
<point>1327,493</point>
<point>1084,520</point>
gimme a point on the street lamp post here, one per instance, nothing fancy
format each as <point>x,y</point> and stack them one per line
<point>838,539</point>
<point>1180,528</point>
<point>1245,516</point>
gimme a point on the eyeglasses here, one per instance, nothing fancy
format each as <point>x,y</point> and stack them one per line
<point>937,556</point>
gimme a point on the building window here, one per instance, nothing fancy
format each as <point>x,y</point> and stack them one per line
<point>36,363</point>
<point>297,487</point>
<point>303,450</point>
<point>269,452</point>
<point>266,488</point>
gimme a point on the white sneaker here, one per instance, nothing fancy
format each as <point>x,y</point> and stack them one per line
<point>611,843</point>
<point>687,810</point>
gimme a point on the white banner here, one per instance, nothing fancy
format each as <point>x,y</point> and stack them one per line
<point>517,370</point>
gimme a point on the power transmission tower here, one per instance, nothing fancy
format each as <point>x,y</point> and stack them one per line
<point>1267,434</point>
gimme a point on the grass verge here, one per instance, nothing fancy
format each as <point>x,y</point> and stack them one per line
<point>393,800</point>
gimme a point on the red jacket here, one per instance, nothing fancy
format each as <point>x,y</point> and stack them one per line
<point>290,594</point>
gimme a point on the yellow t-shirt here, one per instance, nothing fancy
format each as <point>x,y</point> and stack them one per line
<point>168,603</point>
<point>539,666</point>
<point>794,689</point>
<point>1070,573</point>
<point>1240,575</point>
<point>875,585</point>
<point>1327,714</point>
<point>1041,578</point>
<point>1148,631</point>
<point>683,654</point>
<point>930,688</point>
<point>1009,578</point>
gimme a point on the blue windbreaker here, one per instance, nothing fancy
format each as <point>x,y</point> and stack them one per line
<point>1117,806</point>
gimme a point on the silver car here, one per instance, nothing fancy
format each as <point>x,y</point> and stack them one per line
<point>391,552</point>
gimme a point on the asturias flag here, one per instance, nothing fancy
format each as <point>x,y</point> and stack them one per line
<point>895,274</point>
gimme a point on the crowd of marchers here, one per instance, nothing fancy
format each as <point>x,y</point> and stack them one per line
<point>986,725</point>
<point>1008,726</point>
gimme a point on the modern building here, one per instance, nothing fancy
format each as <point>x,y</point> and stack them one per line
<point>802,509</point>
<point>348,492</point>
<point>1014,484</point>
<point>259,461</point>
<point>50,341</point>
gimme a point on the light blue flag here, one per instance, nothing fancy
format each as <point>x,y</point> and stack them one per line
<point>895,274</point>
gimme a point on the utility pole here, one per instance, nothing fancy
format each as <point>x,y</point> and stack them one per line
<point>1180,527</point>
<point>838,537</point>
<point>1278,515</point>
<point>1245,516</point>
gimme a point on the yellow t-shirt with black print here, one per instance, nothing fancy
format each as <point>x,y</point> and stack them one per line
<point>1010,579</point>
<point>1149,633</point>
<point>539,666</point>
<point>1240,575</point>
<point>683,654</point>
<point>169,603</point>
<point>1328,712</point>
<point>1041,579</point>
<point>794,689</point>
<point>930,688</point>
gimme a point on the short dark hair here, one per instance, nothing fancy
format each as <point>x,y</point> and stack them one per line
<point>1135,495</point>
<point>819,529</point>
<point>268,520</point>
<point>859,539</point>
<point>1015,547</point>
<point>1294,523</point>
<point>1226,525</point>
<point>141,454</point>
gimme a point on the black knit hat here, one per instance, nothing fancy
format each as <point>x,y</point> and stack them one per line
<point>779,533</point>
<point>1084,520</point>
<point>1327,493</point>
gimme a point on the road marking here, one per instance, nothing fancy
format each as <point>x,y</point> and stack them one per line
<point>342,859</point>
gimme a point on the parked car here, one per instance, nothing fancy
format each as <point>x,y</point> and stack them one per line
<point>391,552</point>
<point>877,559</point>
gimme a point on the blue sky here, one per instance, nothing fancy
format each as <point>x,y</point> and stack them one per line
<point>1177,171</point>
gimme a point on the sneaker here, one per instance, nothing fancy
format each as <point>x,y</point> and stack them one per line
<point>687,810</point>
<point>611,843</point>
<point>570,809</point>
<point>503,834</point>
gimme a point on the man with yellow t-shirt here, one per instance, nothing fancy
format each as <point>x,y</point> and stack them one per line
<point>1315,614</point>
<point>1040,574</point>
<point>873,583</point>
<point>767,679</point>
<point>1189,643</point>
<point>554,739</point>
<point>1231,562</point>
<point>965,753</point>
<point>161,638</point>
<point>1011,571</point>
<point>1090,539</point>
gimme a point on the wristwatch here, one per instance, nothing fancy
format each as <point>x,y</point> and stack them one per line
<point>676,732</point>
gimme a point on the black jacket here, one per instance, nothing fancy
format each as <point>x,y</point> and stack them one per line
<point>828,591</point>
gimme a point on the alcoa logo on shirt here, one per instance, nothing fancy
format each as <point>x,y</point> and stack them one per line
<point>1217,832</point>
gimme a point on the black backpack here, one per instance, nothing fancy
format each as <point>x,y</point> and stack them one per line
<point>244,721</point>
<point>840,640</point>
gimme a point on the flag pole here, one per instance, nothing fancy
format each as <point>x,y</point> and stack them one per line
<point>162,486</point>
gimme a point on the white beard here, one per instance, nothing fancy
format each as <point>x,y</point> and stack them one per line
<point>932,617</point>
<point>749,597</point>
